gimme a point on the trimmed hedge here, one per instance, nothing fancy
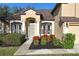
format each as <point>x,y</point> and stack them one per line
<point>14,39</point>
<point>1,38</point>
<point>57,42</point>
<point>69,41</point>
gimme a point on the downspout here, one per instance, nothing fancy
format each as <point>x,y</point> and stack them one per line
<point>75,11</point>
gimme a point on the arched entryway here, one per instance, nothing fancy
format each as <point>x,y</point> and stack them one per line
<point>30,27</point>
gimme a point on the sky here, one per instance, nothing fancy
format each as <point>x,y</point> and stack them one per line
<point>34,5</point>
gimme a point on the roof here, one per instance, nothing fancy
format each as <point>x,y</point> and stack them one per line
<point>58,4</point>
<point>46,14</point>
<point>15,16</point>
<point>69,19</point>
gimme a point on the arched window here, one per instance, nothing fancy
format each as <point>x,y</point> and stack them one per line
<point>16,27</point>
<point>46,28</point>
<point>1,28</point>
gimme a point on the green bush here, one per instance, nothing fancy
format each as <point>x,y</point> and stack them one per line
<point>69,41</point>
<point>43,41</point>
<point>1,38</point>
<point>12,39</point>
<point>57,42</point>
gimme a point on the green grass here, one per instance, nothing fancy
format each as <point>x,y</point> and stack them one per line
<point>7,51</point>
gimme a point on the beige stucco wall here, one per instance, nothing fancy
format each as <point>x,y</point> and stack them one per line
<point>68,10</point>
<point>58,29</point>
<point>77,10</point>
<point>30,13</point>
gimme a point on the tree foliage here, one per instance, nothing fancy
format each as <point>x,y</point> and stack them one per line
<point>6,10</point>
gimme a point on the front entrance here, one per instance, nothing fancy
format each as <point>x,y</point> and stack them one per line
<point>30,27</point>
<point>31,30</point>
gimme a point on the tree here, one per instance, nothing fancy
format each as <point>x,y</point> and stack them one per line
<point>4,11</point>
<point>16,10</point>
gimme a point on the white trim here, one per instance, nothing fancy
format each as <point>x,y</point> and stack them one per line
<point>65,28</point>
<point>47,21</point>
<point>15,21</point>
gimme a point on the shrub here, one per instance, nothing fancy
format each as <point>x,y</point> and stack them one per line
<point>13,39</point>
<point>44,39</point>
<point>36,40</point>
<point>69,41</point>
<point>1,42</point>
<point>57,42</point>
<point>52,37</point>
<point>45,35</point>
<point>1,38</point>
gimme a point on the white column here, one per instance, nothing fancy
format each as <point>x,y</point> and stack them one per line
<point>23,28</point>
<point>53,27</point>
<point>37,28</point>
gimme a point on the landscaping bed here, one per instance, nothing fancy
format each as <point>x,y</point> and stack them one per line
<point>51,42</point>
<point>48,46</point>
<point>45,42</point>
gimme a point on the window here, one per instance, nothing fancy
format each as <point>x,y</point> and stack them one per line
<point>46,28</point>
<point>0,26</point>
<point>1,29</point>
<point>19,27</point>
<point>16,27</point>
<point>66,24</point>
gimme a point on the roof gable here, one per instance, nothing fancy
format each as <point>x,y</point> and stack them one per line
<point>30,11</point>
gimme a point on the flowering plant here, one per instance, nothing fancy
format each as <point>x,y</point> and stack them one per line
<point>36,40</point>
<point>45,35</point>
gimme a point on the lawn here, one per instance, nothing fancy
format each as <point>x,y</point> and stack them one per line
<point>7,51</point>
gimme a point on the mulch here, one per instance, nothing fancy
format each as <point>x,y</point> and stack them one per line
<point>48,46</point>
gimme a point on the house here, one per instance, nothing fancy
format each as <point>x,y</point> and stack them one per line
<point>64,18</point>
<point>31,23</point>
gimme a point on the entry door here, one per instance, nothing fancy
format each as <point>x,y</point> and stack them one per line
<point>31,30</point>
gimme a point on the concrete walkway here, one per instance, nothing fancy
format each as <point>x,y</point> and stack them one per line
<point>24,50</point>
